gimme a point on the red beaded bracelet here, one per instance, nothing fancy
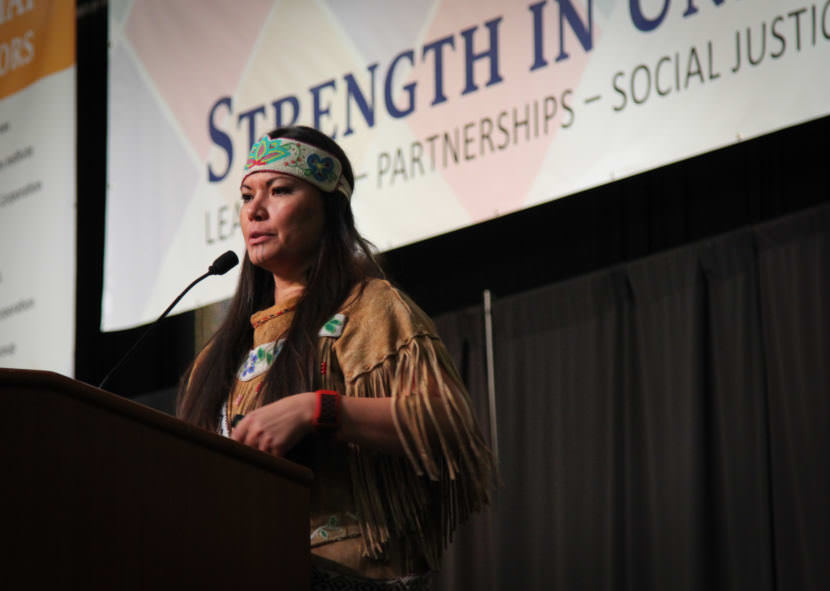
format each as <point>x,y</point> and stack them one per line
<point>326,411</point>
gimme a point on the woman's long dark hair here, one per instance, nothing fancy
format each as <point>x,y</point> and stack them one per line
<point>343,260</point>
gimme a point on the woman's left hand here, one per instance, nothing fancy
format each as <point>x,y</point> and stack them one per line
<point>278,426</point>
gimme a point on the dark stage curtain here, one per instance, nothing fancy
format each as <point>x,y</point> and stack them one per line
<point>662,424</point>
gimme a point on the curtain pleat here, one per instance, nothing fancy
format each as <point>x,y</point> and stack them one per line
<point>471,562</point>
<point>794,261</point>
<point>736,437</point>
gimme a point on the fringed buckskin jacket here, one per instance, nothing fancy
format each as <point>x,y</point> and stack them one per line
<point>376,515</point>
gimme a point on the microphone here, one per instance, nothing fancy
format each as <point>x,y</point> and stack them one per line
<point>224,263</point>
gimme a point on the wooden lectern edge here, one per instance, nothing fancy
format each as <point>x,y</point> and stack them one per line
<point>155,419</point>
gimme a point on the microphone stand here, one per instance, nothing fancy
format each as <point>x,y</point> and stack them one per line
<point>219,267</point>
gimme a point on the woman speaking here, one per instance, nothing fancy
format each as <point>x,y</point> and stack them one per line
<point>322,360</point>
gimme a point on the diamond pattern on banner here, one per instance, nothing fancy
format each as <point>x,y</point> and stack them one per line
<point>194,51</point>
<point>147,224</point>
<point>505,124</point>
<point>286,63</point>
<point>409,19</point>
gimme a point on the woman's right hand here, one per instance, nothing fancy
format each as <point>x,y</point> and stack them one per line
<point>277,427</point>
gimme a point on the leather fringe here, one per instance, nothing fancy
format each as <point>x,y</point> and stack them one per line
<point>447,473</point>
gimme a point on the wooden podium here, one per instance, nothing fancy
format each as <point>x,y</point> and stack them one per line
<point>101,493</point>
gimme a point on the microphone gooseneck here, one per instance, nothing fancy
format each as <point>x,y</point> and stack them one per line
<point>224,263</point>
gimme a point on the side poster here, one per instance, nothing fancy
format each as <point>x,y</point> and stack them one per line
<point>37,184</point>
<point>452,111</point>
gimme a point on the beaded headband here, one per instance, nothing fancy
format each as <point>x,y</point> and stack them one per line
<point>304,161</point>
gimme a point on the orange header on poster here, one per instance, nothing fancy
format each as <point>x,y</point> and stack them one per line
<point>37,38</point>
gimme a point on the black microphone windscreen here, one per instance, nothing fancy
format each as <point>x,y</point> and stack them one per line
<point>224,263</point>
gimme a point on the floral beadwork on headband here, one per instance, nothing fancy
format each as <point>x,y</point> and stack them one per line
<point>299,159</point>
<point>266,151</point>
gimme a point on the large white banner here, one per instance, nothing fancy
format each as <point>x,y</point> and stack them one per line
<point>37,185</point>
<point>452,111</point>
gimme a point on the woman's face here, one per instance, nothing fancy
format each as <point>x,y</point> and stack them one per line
<point>282,221</point>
